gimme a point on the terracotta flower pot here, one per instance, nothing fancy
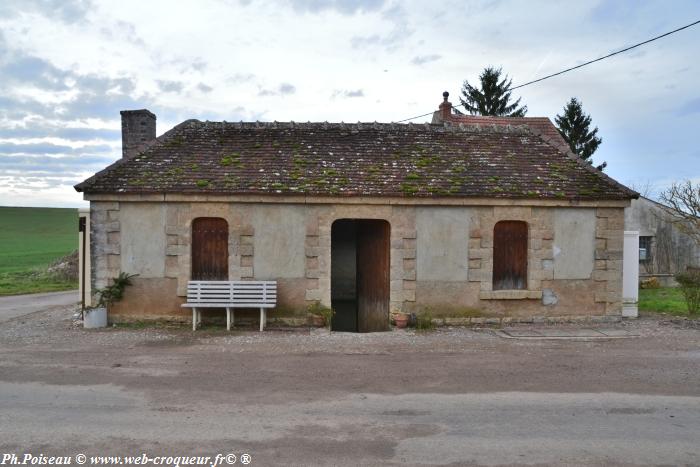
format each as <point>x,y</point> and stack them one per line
<point>401,320</point>
<point>318,321</point>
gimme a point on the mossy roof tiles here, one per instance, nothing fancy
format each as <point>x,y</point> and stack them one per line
<point>364,159</point>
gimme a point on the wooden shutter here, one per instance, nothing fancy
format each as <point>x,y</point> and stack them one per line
<point>510,255</point>
<point>209,249</point>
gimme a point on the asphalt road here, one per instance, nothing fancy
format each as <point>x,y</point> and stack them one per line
<point>452,397</point>
<point>20,305</point>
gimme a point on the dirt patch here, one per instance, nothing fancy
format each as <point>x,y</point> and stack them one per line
<point>65,268</point>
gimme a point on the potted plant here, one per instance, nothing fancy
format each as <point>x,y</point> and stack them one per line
<point>320,315</point>
<point>401,320</point>
<point>97,317</point>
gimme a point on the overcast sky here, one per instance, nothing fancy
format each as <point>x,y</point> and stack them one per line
<point>68,67</point>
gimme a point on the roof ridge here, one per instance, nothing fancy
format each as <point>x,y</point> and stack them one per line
<point>453,126</point>
<point>488,117</point>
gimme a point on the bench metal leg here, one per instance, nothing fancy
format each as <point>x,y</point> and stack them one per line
<point>263,318</point>
<point>194,319</point>
<point>228,318</point>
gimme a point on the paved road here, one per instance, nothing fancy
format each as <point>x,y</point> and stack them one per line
<point>451,397</point>
<point>363,429</point>
<point>19,305</point>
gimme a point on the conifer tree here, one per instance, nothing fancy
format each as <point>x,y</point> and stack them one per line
<point>493,96</point>
<point>574,126</point>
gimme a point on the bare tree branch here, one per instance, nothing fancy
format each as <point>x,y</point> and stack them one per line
<point>683,201</point>
<point>645,189</point>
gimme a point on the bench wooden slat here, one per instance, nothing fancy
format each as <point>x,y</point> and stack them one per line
<point>235,283</point>
<point>235,295</point>
<point>214,287</point>
<point>218,300</point>
<point>252,294</point>
<point>224,305</point>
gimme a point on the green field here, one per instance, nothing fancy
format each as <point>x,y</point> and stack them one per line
<point>30,239</point>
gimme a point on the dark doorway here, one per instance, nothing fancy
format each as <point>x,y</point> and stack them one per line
<point>209,249</point>
<point>510,255</point>
<point>360,275</point>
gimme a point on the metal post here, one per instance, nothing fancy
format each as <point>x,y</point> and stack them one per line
<point>82,228</point>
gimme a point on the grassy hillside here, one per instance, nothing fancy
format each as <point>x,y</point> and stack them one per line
<point>30,239</point>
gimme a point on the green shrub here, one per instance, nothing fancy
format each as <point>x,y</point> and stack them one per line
<point>424,321</point>
<point>318,309</point>
<point>115,291</point>
<point>689,283</point>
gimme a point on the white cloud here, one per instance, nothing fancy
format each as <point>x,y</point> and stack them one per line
<point>347,93</point>
<point>67,68</point>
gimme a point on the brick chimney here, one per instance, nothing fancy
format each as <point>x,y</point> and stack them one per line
<point>138,129</point>
<point>444,113</point>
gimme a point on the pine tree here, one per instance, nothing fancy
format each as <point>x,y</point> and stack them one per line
<point>574,127</point>
<point>493,98</point>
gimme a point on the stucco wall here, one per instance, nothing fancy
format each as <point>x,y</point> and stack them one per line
<point>143,234</point>
<point>442,251</point>
<point>574,243</point>
<point>440,257</point>
<point>642,216</point>
<point>280,232</point>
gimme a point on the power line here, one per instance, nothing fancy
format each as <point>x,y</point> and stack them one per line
<point>607,56</point>
<point>578,66</point>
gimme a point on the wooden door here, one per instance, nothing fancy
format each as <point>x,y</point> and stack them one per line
<point>373,275</point>
<point>209,249</point>
<point>510,255</point>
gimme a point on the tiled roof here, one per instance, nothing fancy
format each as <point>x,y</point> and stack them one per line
<point>336,159</point>
<point>541,124</point>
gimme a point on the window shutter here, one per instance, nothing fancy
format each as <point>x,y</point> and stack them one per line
<point>209,249</point>
<point>510,255</point>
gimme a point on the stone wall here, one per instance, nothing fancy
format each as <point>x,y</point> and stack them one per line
<point>672,250</point>
<point>441,257</point>
<point>105,242</point>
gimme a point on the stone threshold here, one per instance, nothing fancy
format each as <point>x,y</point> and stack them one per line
<point>564,334</point>
<point>495,321</point>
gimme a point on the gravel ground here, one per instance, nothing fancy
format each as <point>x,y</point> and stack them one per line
<point>57,327</point>
<point>453,396</point>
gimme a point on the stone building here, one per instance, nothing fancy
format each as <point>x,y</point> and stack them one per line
<point>477,221</point>
<point>664,249</point>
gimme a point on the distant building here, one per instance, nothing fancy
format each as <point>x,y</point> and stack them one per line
<point>664,250</point>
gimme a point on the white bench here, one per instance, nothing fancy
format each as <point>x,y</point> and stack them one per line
<point>230,295</point>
